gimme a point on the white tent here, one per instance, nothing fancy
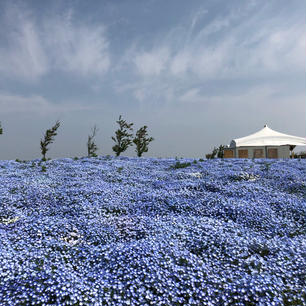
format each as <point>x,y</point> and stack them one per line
<point>268,137</point>
<point>265,143</point>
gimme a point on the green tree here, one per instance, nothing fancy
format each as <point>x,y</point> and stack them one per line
<point>1,130</point>
<point>48,139</point>
<point>220,151</point>
<point>213,154</point>
<point>142,141</point>
<point>123,136</point>
<point>91,146</point>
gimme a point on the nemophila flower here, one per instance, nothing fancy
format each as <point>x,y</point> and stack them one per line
<point>220,232</point>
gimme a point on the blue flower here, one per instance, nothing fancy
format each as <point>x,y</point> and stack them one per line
<point>219,232</point>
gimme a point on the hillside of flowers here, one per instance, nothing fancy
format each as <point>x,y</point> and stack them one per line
<point>148,231</point>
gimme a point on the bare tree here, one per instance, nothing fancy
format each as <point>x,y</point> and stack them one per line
<point>142,141</point>
<point>123,136</point>
<point>48,139</point>
<point>91,146</point>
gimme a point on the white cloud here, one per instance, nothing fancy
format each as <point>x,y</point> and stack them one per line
<point>77,48</point>
<point>230,47</point>
<point>247,46</point>
<point>153,62</point>
<point>23,56</point>
<point>180,63</point>
<point>192,96</point>
<point>269,52</point>
<point>263,99</point>
<point>140,94</point>
<point>241,55</point>
<point>30,49</point>
<point>10,103</point>
<point>14,103</point>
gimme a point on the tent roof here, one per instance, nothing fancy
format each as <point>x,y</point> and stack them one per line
<point>268,137</point>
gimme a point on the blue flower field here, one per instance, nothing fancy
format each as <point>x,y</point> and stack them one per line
<point>148,231</point>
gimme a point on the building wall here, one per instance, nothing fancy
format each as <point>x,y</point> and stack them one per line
<point>282,151</point>
<point>254,152</point>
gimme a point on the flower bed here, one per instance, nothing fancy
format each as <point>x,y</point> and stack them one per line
<point>129,231</point>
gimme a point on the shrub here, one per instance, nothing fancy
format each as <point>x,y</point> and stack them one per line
<point>179,165</point>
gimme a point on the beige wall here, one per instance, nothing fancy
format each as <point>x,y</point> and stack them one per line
<point>283,151</point>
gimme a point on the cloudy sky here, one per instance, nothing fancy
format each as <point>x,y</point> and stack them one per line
<point>198,73</point>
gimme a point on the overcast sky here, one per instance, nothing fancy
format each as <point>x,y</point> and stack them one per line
<point>198,73</point>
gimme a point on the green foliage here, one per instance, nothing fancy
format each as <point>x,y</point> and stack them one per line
<point>75,158</point>
<point>43,168</point>
<point>120,169</point>
<point>217,152</point>
<point>48,139</point>
<point>220,153</point>
<point>91,146</point>
<point>201,160</point>
<point>123,136</point>
<point>1,130</point>
<point>142,141</point>
<point>213,154</point>
<point>17,160</point>
<point>179,165</point>
<point>266,166</point>
<point>301,154</point>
